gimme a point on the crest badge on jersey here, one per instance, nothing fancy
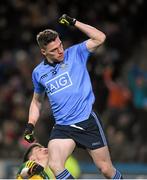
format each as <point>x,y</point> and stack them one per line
<point>63,66</point>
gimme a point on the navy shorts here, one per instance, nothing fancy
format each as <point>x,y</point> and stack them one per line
<point>87,134</point>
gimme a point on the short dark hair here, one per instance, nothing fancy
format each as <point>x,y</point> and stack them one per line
<point>45,37</point>
<point>29,151</point>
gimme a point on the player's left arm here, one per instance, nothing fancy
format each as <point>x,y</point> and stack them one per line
<point>96,37</point>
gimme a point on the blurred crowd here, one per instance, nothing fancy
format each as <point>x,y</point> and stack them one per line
<point>118,70</point>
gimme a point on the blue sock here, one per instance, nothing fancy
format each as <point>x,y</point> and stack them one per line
<point>64,175</point>
<point>117,175</point>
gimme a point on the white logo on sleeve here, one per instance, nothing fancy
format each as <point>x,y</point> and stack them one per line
<point>58,83</point>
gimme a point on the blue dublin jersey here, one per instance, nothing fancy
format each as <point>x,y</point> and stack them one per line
<point>67,85</point>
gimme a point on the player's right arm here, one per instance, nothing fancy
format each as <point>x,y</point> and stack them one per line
<point>35,108</point>
<point>34,114</point>
<point>29,169</point>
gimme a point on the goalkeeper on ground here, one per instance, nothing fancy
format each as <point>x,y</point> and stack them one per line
<point>35,164</point>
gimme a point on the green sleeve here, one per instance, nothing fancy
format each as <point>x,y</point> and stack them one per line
<point>20,169</point>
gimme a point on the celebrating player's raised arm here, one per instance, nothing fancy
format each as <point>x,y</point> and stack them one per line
<point>96,36</point>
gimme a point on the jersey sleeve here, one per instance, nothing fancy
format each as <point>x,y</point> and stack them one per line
<point>38,88</point>
<point>83,52</point>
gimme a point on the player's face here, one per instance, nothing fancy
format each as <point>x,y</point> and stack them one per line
<point>54,51</point>
<point>39,154</point>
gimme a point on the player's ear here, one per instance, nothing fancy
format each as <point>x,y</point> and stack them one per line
<point>43,52</point>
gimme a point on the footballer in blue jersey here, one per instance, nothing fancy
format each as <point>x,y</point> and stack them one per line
<point>68,89</point>
<point>64,77</point>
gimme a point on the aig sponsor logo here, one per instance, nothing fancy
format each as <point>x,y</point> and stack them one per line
<point>58,83</point>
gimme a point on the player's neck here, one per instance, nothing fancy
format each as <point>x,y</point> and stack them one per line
<point>51,63</point>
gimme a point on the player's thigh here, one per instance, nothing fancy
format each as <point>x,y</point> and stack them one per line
<point>60,149</point>
<point>101,157</point>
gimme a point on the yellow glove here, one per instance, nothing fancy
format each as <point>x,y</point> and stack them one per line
<point>34,168</point>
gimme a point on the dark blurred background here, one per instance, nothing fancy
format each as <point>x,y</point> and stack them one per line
<point>118,71</point>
